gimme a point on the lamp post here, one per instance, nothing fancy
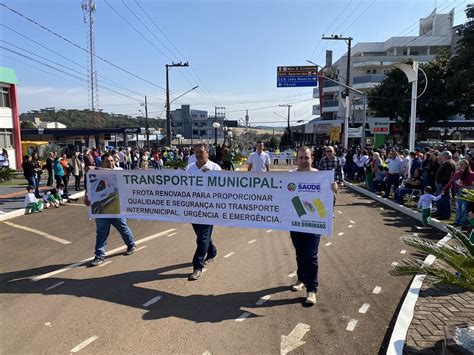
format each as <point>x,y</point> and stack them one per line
<point>216,125</point>
<point>178,137</point>
<point>168,114</point>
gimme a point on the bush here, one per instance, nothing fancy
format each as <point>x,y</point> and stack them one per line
<point>6,174</point>
<point>176,164</point>
<point>455,264</point>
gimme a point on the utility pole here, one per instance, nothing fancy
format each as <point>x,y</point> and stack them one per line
<point>147,126</point>
<point>88,7</point>
<point>348,40</point>
<point>168,114</point>
<point>288,126</point>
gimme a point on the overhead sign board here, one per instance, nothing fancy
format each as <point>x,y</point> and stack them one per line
<point>297,76</point>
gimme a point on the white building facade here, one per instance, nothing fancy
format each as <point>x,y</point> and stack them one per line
<point>371,61</point>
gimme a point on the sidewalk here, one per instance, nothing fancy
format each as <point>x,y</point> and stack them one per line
<point>437,307</point>
<point>12,196</point>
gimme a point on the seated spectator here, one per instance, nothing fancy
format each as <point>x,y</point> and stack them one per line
<point>31,201</point>
<point>408,185</point>
<point>52,197</point>
<point>63,195</point>
<point>380,178</point>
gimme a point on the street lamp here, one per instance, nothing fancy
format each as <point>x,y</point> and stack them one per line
<point>216,125</point>
<point>168,114</point>
<point>178,137</point>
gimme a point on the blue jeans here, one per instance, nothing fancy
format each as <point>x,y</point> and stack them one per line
<point>103,231</point>
<point>393,179</point>
<point>204,245</point>
<point>461,211</point>
<point>401,192</point>
<point>306,247</point>
<point>443,205</point>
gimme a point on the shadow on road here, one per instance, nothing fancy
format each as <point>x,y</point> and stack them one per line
<point>124,289</point>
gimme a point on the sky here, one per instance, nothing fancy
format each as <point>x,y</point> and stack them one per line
<point>233,48</point>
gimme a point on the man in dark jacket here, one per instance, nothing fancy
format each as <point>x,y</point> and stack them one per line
<point>442,177</point>
<point>49,167</point>
<point>29,172</point>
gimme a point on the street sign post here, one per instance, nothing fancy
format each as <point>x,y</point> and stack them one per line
<point>297,76</point>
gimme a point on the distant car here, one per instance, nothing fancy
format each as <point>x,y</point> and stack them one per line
<point>104,190</point>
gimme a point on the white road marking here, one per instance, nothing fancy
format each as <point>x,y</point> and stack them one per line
<point>252,241</point>
<point>54,286</point>
<point>76,204</point>
<point>352,221</point>
<point>293,274</point>
<point>293,340</point>
<point>141,248</point>
<point>377,289</point>
<point>340,233</point>
<point>79,263</point>
<point>207,352</point>
<point>263,299</point>
<point>403,251</point>
<point>153,300</point>
<point>269,231</point>
<point>35,231</point>
<point>170,235</point>
<point>339,212</point>
<point>230,254</point>
<point>395,263</point>
<point>107,262</point>
<point>351,325</point>
<point>242,317</point>
<point>48,324</point>
<point>350,226</point>
<point>328,244</point>
<point>364,308</point>
<point>84,344</point>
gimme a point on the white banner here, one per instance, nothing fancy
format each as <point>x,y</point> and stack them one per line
<point>287,154</point>
<point>297,201</point>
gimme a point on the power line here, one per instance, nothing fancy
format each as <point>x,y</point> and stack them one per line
<point>199,80</point>
<point>102,77</point>
<point>78,46</point>
<point>64,72</point>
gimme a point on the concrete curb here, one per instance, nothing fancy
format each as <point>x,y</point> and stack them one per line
<point>405,316</point>
<point>21,211</point>
<point>406,210</point>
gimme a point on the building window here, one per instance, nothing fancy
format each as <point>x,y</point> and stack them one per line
<point>6,138</point>
<point>203,115</point>
<point>5,101</point>
<point>194,115</point>
<point>195,132</point>
<point>203,133</point>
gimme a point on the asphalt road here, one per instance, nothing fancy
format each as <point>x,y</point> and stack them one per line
<point>143,303</point>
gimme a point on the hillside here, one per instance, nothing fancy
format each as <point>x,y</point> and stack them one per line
<point>79,118</point>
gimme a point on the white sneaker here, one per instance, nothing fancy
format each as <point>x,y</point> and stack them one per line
<point>298,286</point>
<point>311,298</point>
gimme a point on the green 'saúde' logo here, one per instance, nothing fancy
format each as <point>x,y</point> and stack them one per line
<point>291,187</point>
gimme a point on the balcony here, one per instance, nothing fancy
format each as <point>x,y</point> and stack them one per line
<point>367,81</point>
<point>330,86</point>
<point>330,106</point>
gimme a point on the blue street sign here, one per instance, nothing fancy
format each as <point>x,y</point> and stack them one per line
<point>297,76</point>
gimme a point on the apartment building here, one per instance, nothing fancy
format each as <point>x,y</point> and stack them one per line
<point>370,61</point>
<point>198,123</point>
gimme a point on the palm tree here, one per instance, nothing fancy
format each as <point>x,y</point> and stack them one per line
<point>456,262</point>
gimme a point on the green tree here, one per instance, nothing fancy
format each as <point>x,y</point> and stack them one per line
<point>27,124</point>
<point>461,81</point>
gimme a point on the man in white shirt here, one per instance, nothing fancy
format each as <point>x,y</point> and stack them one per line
<point>121,158</point>
<point>395,168</point>
<point>206,251</point>
<point>259,161</point>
